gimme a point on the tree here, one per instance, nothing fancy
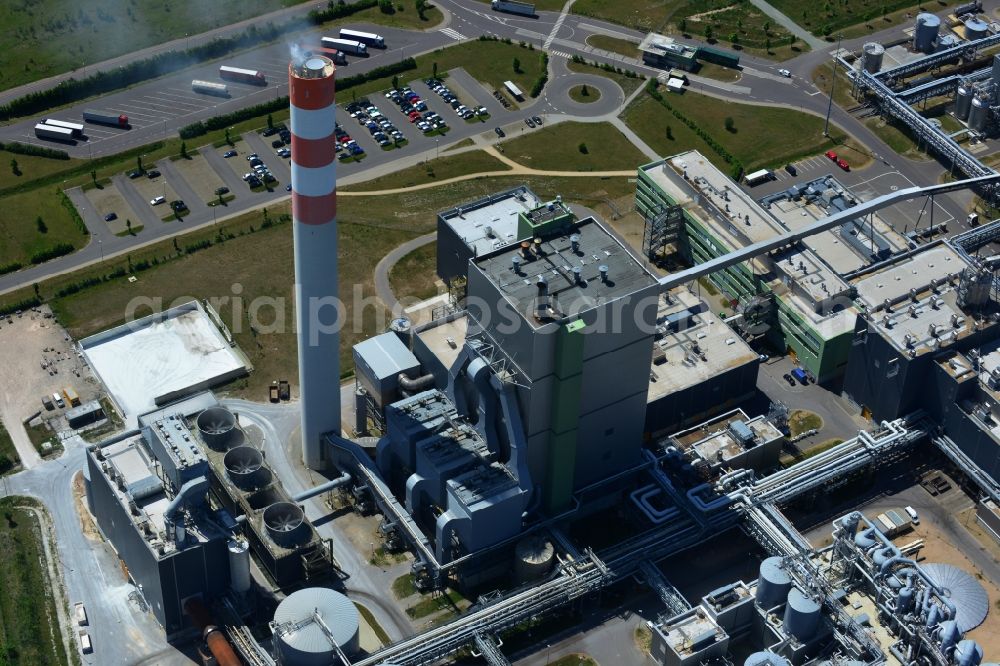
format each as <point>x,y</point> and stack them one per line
<point>682,25</point>
<point>584,91</point>
<point>767,27</point>
<point>421,6</point>
<point>730,124</point>
<point>138,163</point>
<point>128,226</point>
<point>734,38</point>
<point>14,167</point>
<point>709,33</point>
<point>517,66</point>
<point>184,149</point>
<point>670,133</point>
<point>229,140</point>
<point>767,44</point>
<point>177,248</point>
<point>583,148</point>
<point>385,6</point>
<point>270,122</point>
<point>93,176</point>
<point>434,69</point>
<point>395,82</point>
<point>40,223</point>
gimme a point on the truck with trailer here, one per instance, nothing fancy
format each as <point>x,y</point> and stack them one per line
<point>335,56</point>
<point>43,131</point>
<point>210,88</point>
<point>366,38</point>
<point>105,118</point>
<point>76,128</point>
<point>345,45</point>
<point>513,7</point>
<point>251,76</point>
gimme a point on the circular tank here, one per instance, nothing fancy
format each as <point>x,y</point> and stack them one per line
<point>968,653</point>
<point>218,429</point>
<point>979,113</point>
<point>245,468</point>
<point>871,57</point>
<point>904,600</point>
<point>926,32</point>
<point>403,328</point>
<point>239,565</point>
<point>765,658</point>
<point>307,620</point>
<point>773,583</point>
<point>801,615</point>
<point>976,29</point>
<point>963,101</point>
<point>534,556</point>
<point>285,524</point>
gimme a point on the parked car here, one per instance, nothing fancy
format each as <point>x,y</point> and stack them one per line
<point>843,165</point>
<point>791,170</point>
<point>288,188</point>
<point>252,156</point>
<point>270,131</point>
<point>110,216</point>
<point>178,205</point>
<point>785,73</point>
<point>135,173</point>
<point>538,120</point>
<point>500,132</point>
<point>912,513</point>
<point>219,191</point>
<point>529,122</point>
<point>788,378</point>
<point>800,375</point>
<point>229,153</point>
<point>832,155</point>
<point>277,143</point>
<point>152,173</point>
<point>156,201</point>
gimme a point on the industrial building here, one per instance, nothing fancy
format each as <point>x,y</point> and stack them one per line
<point>665,53</point>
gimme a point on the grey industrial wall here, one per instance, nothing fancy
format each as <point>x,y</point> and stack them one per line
<point>452,252</point>
<point>201,570</point>
<point>615,377</point>
<point>975,442</point>
<point>702,401</point>
<point>867,381</point>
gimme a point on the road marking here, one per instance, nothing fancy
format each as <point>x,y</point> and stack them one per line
<point>561,54</point>
<point>555,29</point>
<point>454,34</point>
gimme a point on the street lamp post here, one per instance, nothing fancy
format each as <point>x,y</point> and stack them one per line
<point>833,86</point>
<point>437,147</point>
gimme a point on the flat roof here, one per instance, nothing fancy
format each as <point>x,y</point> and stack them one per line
<point>445,338</point>
<point>160,357</point>
<point>690,331</point>
<point>490,223</point>
<point>691,632</point>
<point>914,272</point>
<point>386,355</point>
<point>553,261</point>
<point>663,45</point>
<point>909,325</point>
<point>723,442</point>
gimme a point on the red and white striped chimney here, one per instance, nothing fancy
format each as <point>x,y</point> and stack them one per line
<point>314,214</point>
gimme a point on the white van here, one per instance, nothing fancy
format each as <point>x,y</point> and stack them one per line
<point>85,645</point>
<point>912,513</point>
<point>58,399</point>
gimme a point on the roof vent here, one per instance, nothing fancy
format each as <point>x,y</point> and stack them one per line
<point>604,272</point>
<point>515,264</point>
<point>542,284</point>
<point>489,232</point>
<point>577,277</point>
<point>574,241</point>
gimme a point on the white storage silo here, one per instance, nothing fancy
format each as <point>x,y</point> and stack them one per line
<point>976,29</point>
<point>979,113</point>
<point>926,32</point>
<point>963,100</point>
<point>533,558</point>
<point>307,621</point>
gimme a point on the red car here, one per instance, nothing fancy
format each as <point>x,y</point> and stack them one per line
<point>832,155</point>
<point>843,165</point>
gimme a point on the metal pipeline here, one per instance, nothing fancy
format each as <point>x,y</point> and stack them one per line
<point>323,487</point>
<point>189,490</point>
<point>214,637</point>
<point>414,386</point>
<point>656,516</point>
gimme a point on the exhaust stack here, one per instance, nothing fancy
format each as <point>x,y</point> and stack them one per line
<point>314,214</point>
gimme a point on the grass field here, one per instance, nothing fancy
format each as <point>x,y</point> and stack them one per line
<point>614,44</point>
<point>644,15</point>
<point>718,72</point>
<point>29,625</point>
<point>897,138</point>
<point>753,140</point>
<point>740,25</point>
<point>863,16</point>
<point>575,660</point>
<point>800,420</point>
<point>414,275</point>
<point>91,33</point>
<point>442,168</point>
<point>20,237</point>
<point>584,94</point>
<point>261,263</point>
<point>9,459</point>
<point>561,147</point>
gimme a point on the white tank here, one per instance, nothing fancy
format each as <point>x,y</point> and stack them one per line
<point>765,658</point>
<point>926,32</point>
<point>533,558</point>
<point>239,565</point>
<point>976,29</point>
<point>871,57</point>
<point>307,621</point>
<point>979,113</point>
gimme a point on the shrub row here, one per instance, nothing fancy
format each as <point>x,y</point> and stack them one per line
<point>728,158</point>
<point>26,304</point>
<point>57,250</point>
<point>73,213</point>
<point>37,151</point>
<point>138,71</point>
<point>543,78</point>
<point>221,122</point>
<point>11,267</point>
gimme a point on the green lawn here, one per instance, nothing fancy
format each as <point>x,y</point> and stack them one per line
<point>414,276</point>
<point>575,660</point>
<point>442,168</point>
<point>897,138</point>
<point>29,626</point>
<point>584,94</point>
<point>261,263</point>
<point>20,237</point>
<point>739,25</point>
<point>31,168</point>
<point>800,421</point>
<point>829,17</point>
<point>9,459</point>
<point>560,148</point>
<point>615,45</point>
<point>752,141</point>
<point>645,15</point>
<point>627,83</point>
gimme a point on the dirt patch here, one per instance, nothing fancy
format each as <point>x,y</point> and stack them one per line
<point>110,200</point>
<point>87,525</point>
<point>200,175</point>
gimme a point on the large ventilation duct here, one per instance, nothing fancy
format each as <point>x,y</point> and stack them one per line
<point>285,524</point>
<point>216,640</point>
<point>245,468</point>
<point>192,492</point>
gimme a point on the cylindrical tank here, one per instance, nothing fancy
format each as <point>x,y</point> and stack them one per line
<point>949,635</point>
<point>245,468</point>
<point>801,615</point>
<point>968,653</point>
<point>850,523</point>
<point>239,565</point>
<point>871,57</point>
<point>963,100</point>
<point>765,658</point>
<point>285,524</point>
<point>307,620</point>
<point>979,113</point>
<point>773,583</point>
<point>976,29</point>
<point>970,8</point>
<point>533,558</point>
<point>904,600</point>
<point>360,411</point>
<point>218,429</point>
<point>926,32</point>
<point>402,327</point>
